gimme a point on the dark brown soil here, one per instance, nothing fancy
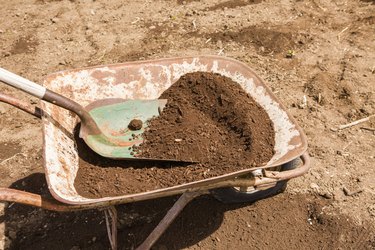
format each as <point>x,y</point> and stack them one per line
<point>209,119</point>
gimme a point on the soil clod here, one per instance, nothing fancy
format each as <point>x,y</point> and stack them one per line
<point>135,124</point>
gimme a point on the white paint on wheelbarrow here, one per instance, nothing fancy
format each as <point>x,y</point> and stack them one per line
<point>146,80</point>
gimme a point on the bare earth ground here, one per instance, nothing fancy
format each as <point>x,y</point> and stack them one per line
<point>328,81</point>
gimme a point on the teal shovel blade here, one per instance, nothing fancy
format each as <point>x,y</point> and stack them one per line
<point>113,116</point>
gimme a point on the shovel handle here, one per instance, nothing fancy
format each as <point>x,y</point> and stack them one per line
<point>42,93</point>
<point>22,83</point>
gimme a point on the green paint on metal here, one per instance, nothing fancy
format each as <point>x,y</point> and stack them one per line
<point>117,140</point>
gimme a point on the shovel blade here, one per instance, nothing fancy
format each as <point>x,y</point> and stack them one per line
<point>113,116</point>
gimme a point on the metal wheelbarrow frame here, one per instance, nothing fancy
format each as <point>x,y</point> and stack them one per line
<point>147,80</point>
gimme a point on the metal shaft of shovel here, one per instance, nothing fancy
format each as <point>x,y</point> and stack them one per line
<point>42,93</point>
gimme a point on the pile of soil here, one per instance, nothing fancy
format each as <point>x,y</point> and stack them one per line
<point>209,119</point>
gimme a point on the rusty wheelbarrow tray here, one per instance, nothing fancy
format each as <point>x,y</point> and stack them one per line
<point>147,80</point>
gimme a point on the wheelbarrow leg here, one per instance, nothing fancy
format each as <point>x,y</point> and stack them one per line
<point>111,222</point>
<point>184,199</point>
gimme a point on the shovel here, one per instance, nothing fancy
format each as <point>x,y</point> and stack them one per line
<point>110,127</point>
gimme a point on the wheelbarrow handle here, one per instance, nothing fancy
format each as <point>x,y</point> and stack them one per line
<point>35,111</point>
<point>36,200</point>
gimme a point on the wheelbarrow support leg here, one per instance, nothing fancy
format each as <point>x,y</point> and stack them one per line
<point>184,199</point>
<point>111,222</point>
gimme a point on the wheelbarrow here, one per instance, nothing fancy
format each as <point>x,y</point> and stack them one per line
<point>147,80</point>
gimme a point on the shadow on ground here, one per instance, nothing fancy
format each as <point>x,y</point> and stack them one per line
<point>33,228</point>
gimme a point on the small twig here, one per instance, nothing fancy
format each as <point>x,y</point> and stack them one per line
<point>339,35</point>
<point>194,25</point>
<point>355,122</point>
<point>367,128</point>
<point>111,226</point>
<point>347,145</point>
<point>10,158</point>
<point>136,20</point>
<point>100,57</point>
<point>220,52</point>
<point>347,192</point>
<point>320,7</point>
<point>208,40</point>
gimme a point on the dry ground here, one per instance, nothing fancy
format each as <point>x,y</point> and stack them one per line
<point>319,58</point>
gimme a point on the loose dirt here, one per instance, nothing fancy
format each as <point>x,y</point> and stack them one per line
<point>209,119</point>
<point>328,81</point>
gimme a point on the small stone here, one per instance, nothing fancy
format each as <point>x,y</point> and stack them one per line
<point>152,27</point>
<point>219,44</point>
<point>371,210</point>
<point>326,195</point>
<point>55,20</point>
<point>135,124</point>
<point>89,32</point>
<point>3,110</point>
<point>88,26</point>
<point>33,101</point>
<point>314,186</point>
<point>179,119</point>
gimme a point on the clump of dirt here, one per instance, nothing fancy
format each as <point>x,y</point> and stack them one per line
<point>209,119</point>
<point>135,124</point>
